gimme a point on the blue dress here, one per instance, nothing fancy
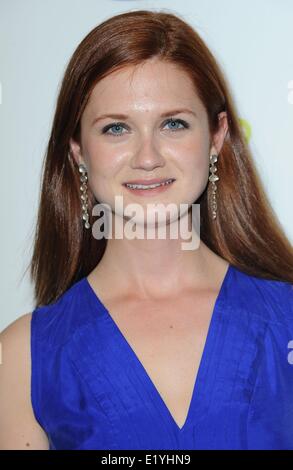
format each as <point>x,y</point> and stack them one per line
<point>89,390</point>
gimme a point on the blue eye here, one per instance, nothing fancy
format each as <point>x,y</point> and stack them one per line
<point>118,125</point>
<point>111,126</point>
<point>180,121</point>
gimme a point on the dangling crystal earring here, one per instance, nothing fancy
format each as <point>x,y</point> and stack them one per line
<point>213,178</point>
<point>84,196</point>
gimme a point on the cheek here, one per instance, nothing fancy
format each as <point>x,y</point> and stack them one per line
<point>101,162</point>
<point>198,171</point>
<point>194,165</point>
<point>195,160</point>
<point>195,149</point>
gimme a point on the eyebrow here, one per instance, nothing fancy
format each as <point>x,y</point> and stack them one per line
<point>124,116</point>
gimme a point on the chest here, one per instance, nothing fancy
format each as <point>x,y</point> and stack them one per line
<point>168,338</point>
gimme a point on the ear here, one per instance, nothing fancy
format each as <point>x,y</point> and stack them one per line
<point>219,136</point>
<point>75,151</point>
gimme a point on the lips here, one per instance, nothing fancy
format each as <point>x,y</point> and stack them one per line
<point>149,186</point>
<point>146,182</point>
<point>149,189</point>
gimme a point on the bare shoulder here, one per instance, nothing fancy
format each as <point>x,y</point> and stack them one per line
<point>19,429</point>
<point>20,325</point>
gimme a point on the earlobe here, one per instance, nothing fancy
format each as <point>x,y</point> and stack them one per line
<point>224,125</point>
<point>75,151</point>
<point>222,132</point>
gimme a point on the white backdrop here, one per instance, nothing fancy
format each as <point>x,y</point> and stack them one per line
<point>252,41</point>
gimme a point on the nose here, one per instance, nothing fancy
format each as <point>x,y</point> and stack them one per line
<point>147,156</point>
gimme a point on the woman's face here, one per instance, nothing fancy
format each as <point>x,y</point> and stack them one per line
<point>142,144</point>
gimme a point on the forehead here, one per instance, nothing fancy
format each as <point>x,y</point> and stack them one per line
<point>152,86</point>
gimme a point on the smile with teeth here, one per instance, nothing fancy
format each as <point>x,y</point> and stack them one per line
<point>148,186</point>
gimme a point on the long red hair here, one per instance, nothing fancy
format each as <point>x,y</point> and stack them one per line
<point>246,232</point>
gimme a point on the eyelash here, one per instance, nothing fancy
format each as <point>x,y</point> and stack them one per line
<point>120,124</point>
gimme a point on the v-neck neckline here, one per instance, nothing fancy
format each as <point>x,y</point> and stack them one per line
<point>200,380</point>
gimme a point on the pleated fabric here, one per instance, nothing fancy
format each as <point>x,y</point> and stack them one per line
<point>89,390</point>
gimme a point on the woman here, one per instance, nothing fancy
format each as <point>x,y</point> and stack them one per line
<point>136,343</point>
